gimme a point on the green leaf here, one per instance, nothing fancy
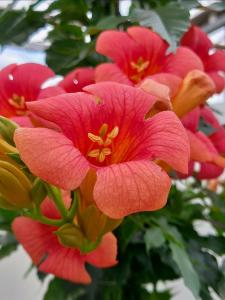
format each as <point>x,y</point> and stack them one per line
<point>166,295</point>
<point>154,238</point>
<point>65,54</point>
<point>62,290</point>
<point>217,6</point>
<point>6,218</point>
<point>182,259</point>
<point>170,21</point>
<point>185,266</point>
<point>106,23</point>
<point>8,244</point>
<point>38,191</point>
<point>188,4</point>
<point>19,25</point>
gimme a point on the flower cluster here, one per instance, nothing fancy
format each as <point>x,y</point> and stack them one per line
<point>102,144</point>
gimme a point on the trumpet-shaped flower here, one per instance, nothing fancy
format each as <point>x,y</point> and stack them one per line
<point>205,149</point>
<point>139,53</point>
<point>188,97</point>
<point>198,41</point>
<point>42,244</point>
<point>19,85</point>
<point>77,79</point>
<point>104,129</point>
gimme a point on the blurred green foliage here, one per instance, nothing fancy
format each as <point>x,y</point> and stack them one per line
<point>156,246</point>
<point>74,25</point>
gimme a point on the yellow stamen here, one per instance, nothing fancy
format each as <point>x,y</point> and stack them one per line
<point>140,65</point>
<point>104,153</point>
<point>17,101</point>
<point>103,129</point>
<point>95,138</point>
<point>94,153</point>
<point>101,157</point>
<point>101,153</point>
<point>113,133</point>
<point>107,151</point>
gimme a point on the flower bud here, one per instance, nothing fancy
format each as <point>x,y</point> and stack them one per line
<point>94,223</point>
<point>70,235</point>
<point>14,187</point>
<point>196,88</point>
<point>7,129</point>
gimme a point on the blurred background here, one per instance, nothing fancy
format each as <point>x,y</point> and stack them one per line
<point>17,280</point>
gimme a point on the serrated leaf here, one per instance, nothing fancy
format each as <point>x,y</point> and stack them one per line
<point>106,23</point>
<point>170,21</point>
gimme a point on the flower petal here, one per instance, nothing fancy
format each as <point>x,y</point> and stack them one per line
<point>171,80</point>
<point>70,112</point>
<point>207,114</point>
<point>46,252</point>
<point>50,92</point>
<point>122,189</point>
<point>5,93</point>
<point>118,46</point>
<point>182,62</point>
<point>111,72</point>
<point>77,79</point>
<point>197,40</point>
<point>218,80</point>
<point>23,121</point>
<point>127,103</point>
<point>153,46</point>
<point>215,61</point>
<point>167,140</point>
<point>209,171</point>
<point>159,90</point>
<point>27,79</point>
<point>51,156</point>
<point>218,140</point>
<point>199,151</point>
<point>105,254</point>
<point>191,120</point>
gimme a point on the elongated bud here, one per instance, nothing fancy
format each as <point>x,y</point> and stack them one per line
<point>6,148</point>
<point>70,235</point>
<point>7,129</point>
<point>94,223</point>
<point>196,88</point>
<point>15,187</point>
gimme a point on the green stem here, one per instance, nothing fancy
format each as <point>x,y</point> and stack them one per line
<point>73,207</point>
<point>51,222</point>
<point>37,216</point>
<point>55,195</point>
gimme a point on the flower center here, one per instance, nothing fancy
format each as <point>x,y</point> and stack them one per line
<point>139,67</point>
<point>104,141</point>
<point>18,102</point>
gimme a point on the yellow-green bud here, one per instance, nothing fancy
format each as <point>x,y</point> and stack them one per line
<point>71,236</point>
<point>15,187</point>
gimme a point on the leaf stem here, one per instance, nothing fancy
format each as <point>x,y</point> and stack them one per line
<point>73,207</point>
<point>55,195</point>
